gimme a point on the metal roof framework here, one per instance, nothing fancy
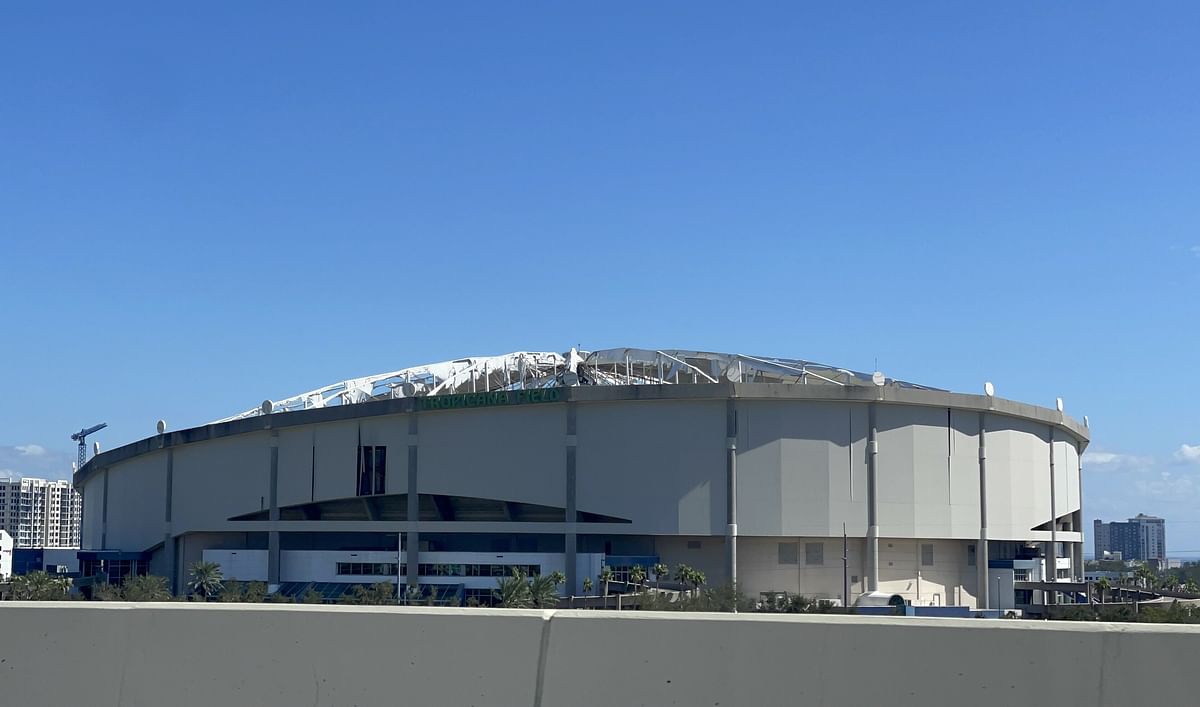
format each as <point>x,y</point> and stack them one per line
<point>524,370</point>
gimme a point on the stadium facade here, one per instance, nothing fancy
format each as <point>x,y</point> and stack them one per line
<point>746,467</point>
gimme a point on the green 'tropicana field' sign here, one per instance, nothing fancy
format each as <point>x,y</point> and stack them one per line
<point>491,399</point>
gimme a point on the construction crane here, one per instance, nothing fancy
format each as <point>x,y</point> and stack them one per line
<point>81,436</point>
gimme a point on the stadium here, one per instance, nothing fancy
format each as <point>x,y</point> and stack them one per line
<point>749,468</point>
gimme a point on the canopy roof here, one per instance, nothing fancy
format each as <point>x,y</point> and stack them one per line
<point>522,370</point>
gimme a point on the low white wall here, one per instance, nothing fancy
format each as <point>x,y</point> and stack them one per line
<point>182,654</point>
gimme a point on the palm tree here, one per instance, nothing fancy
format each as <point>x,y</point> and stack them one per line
<point>683,575</point>
<point>376,594</point>
<point>660,570</point>
<point>146,587</point>
<point>513,592</point>
<point>231,591</point>
<point>606,576</point>
<point>1191,587</point>
<point>1145,576</point>
<point>40,586</point>
<point>205,579</point>
<point>311,596</point>
<point>103,591</point>
<point>587,585</point>
<point>62,585</point>
<point>637,575</point>
<point>686,575</point>
<point>543,591</point>
<point>1102,586</point>
<point>257,591</point>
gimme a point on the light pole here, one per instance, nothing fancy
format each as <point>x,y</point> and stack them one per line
<point>845,571</point>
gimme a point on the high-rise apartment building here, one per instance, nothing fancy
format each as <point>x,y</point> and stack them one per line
<point>40,513</point>
<point>1142,537</point>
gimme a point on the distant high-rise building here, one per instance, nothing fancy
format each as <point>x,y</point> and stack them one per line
<point>40,513</point>
<point>1102,538</point>
<point>1142,537</point>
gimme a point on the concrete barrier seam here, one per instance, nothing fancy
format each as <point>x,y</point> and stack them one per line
<point>543,655</point>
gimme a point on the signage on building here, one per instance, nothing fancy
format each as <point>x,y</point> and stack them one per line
<point>490,399</point>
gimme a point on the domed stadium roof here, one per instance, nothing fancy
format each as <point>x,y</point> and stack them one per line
<point>523,370</point>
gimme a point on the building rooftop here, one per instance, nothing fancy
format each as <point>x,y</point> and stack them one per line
<point>523,370</point>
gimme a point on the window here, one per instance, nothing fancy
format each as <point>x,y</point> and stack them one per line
<point>970,556</point>
<point>927,555</point>
<point>376,569</point>
<point>814,553</point>
<point>457,570</point>
<point>372,470</point>
<point>693,545</point>
<point>789,553</point>
<point>1021,575</point>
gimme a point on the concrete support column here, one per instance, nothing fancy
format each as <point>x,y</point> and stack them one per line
<point>981,550</point>
<point>168,536</point>
<point>273,516</point>
<point>104,515</point>
<point>731,529</point>
<point>872,502</point>
<point>412,539</point>
<point>1052,548</point>
<point>570,541</point>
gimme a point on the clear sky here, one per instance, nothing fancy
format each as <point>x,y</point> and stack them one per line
<point>203,207</point>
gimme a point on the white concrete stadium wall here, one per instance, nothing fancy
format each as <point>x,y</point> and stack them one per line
<point>802,468</point>
<point>318,462</point>
<point>213,481</point>
<point>93,511</point>
<point>514,454</point>
<point>760,569</point>
<point>964,474</point>
<point>141,486</point>
<point>660,462</point>
<point>133,655</point>
<point>1018,461</point>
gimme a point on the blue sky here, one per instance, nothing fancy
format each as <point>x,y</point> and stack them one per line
<point>203,207</point>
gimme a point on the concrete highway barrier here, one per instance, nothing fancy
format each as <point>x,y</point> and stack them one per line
<point>103,654</point>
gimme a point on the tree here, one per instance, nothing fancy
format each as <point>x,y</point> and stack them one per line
<point>660,570</point>
<point>637,576</point>
<point>587,585</point>
<point>682,574</point>
<point>1145,576</point>
<point>40,586</point>
<point>606,576</point>
<point>146,587</point>
<point>103,591</point>
<point>686,575</point>
<point>1191,587</point>
<point>376,594</point>
<point>543,591</point>
<point>513,592</point>
<point>204,578</point>
<point>311,596</point>
<point>1102,586</point>
<point>412,594</point>
<point>257,592</point>
<point>232,591</point>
